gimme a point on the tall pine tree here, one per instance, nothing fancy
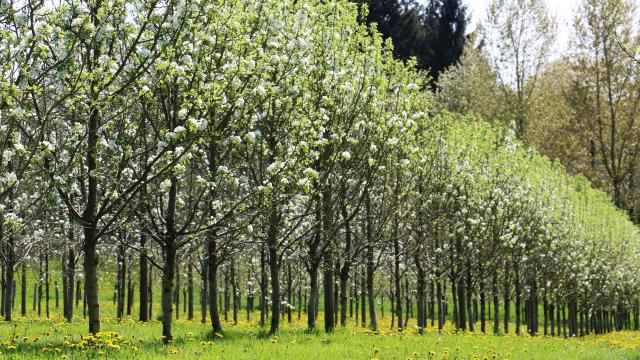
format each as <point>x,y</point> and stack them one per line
<point>434,34</point>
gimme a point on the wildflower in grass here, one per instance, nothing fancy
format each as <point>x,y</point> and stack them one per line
<point>101,353</point>
<point>44,350</point>
<point>219,335</point>
<point>173,351</point>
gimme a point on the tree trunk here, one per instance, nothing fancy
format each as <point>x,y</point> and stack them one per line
<point>90,265</point>
<point>421,286</point>
<point>506,300</point>
<point>516,277</point>
<point>144,279</point>
<point>204,292</point>
<point>370,265</point>
<point>212,269</point>
<point>346,265</point>
<point>328,265</point>
<point>122,268</point>
<point>190,290</point>
<point>170,256</point>
<point>396,279</point>
<point>440,302</point>
<point>363,302</point>
<point>168,276</point>
<point>46,283</point>
<point>373,324</point>
<point>23,290</point>
<point>263,285</point>
<point>9,268</point>
<point>313,295</point>
<point>274,266</point>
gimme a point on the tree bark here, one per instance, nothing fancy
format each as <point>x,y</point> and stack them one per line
<point>190,290</point>
<point>212,270</point>
<point>144,278</point>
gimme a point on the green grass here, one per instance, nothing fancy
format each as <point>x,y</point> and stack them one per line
<point>130,339</point>
<point>246,341</point>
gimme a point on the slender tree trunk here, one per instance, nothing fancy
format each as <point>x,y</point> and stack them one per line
<point>168,276</point>
<point>176,295</point>
<point>507,310</point>
<point>204,292</point>
<point>170,256</point>
<point>190,290</point>
<point>122,268</point>
<point>9,268</point>
<point>130,292</point>
<point>328,264</point>
<point>421,286</point>
<point>346,265</point>
<point>150,293</point>
<point>516,277</point>
<point>483,305</point>
<point>263,286</point>
<point>91,279</point>
<point>370,265</point>
<point>440,301</point>
<point>23,290</point>
<point>396,279</point>
<point>313,295</point>
<point>496,305</point>
<point>363,302</point>
<point>144,279</point>
<point>212,270</point>
<point>469,293</point>
<point>46,283</point>
<point>274,266</point>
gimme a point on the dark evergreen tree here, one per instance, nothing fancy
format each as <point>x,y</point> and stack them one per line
<point>445,24</point>
<point>434,34</point>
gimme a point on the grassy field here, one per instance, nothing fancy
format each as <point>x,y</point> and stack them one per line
<point>34,337</point>
<point>40,339</point>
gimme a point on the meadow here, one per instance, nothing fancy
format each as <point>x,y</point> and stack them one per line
<point>34,338</point>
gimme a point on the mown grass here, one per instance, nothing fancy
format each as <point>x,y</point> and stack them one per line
<point>29,338</point>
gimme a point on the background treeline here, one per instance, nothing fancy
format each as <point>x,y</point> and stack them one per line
<point>278,148</point>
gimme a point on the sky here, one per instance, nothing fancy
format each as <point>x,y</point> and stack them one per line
<point>562,10</point>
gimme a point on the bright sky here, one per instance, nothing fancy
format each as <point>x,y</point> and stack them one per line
<point>563,10</point>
